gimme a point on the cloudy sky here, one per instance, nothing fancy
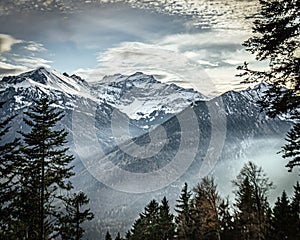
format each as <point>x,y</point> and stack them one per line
<point>194,43</point>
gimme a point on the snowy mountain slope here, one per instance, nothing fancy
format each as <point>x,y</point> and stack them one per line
<point>141,96</point>
<point>245,128</point>
<point>18,93</point>
<point>48,80</point>
<point>239,119</point>
<point>256,92</point>
<point>233,114</point>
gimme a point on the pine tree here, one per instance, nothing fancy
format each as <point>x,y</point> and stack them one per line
<point>184,222</point>
<point>118,237</point>
<point>251,201</point>
<point>295,207</point>
<point>276,40</point>
<point>291,150</point>
<point>69,225</point>
<point>46,169</point>
<point>128,235</point>
<point>282,217</point>
<point>205,210</point>
<point>108,236</point>
<point>246,217</point>
<point>146,227</point>
<point>9,165</point>
<point>165,222</point>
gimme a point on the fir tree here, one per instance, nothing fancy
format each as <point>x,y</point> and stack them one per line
<point>146,227</point>
<point>128,235</point>
<point>246,216</point>
<point>282,217</point>
<point>108,236</point>
<point>118,237</point>
<point>46,169</point>
<point>251,201</point>
<point>69,225</point>
<point>276,40</point>
<point>291,150</point>
<point>184,222</point>
<point>166,224</point>
<point>9,165</point>
<point>295,207</point>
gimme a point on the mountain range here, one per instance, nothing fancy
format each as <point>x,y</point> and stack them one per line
<point>135,138</point>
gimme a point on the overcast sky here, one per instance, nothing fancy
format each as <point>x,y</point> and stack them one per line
<point>193,43</point>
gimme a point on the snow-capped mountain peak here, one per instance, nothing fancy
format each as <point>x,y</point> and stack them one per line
<point>257,92</point>
<point>141,96</point>
<point>47,80</point>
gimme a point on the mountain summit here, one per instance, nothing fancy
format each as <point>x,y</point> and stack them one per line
<point>139,96</point>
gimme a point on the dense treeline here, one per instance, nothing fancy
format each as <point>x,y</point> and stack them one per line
<point>36,195</point>
<point>202,214</point>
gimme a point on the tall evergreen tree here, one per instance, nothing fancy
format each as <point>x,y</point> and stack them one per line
<point>9,165</point>
<point>251,201</point>
<point>108,236</point>
<point>291,149</point>
<point>295,207</point>
<point>69,224</point>
<point>166,224</point>
<point>118,237</point>
<point>147,227</point>
<point>281,220</point>
<point>276,40</point>
<point>246,216</point>
<point>46,169</point>
<point>128,235</point>
<point>184,222</point>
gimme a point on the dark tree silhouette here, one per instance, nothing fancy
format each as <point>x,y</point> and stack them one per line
<point>205,209</point>
<point>9,165</point>
<point>166,224</point>
<point>70,222</point>
<point>46,169</point>
<point>252,205</point>
<point>108,236</point>
<point>276,40</point>
<point>282,217</point>
<point>184,221</point>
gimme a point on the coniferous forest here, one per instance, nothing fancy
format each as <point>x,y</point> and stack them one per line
<point>201,213</point>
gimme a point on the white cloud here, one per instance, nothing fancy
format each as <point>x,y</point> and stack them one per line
<point>32,62</point>
<point>6,42</point>
<point>6,68</point>
<point>16,60</point>
<point>204,61</point>
<point>34,47</point>
<point>169,66</point>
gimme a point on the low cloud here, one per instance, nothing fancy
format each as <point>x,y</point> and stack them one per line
<point>10,69</point>
<point>34,47</point>
<point>32,62</point>
<point>6,42</point>
<point>25,56</point>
